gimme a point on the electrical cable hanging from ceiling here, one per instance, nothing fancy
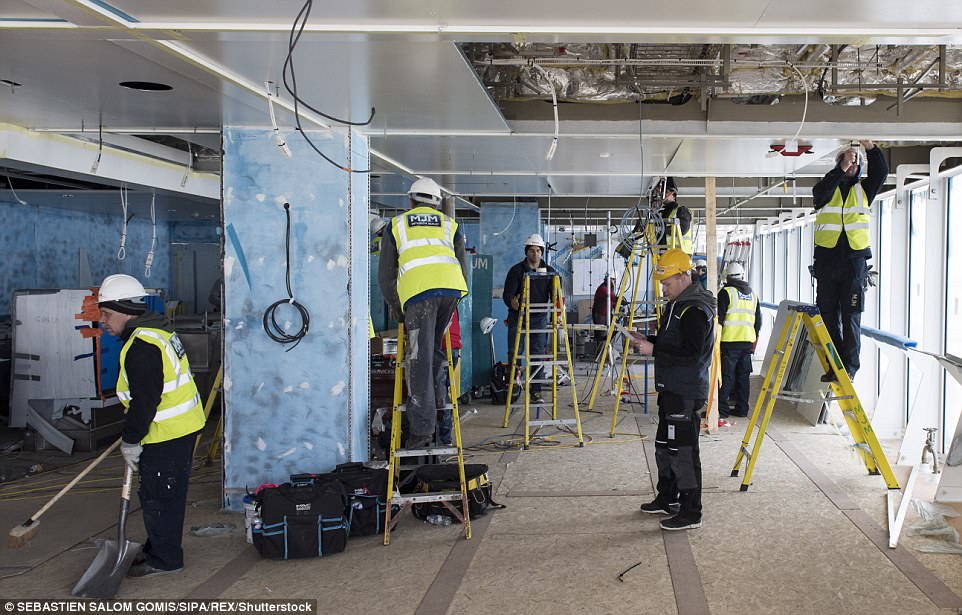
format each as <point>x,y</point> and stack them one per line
<point>554,103</point>
<point>281,143</point>
<point>100,149</point>
<point>153,236</point>
<point>271,327</point>
<point>14,192</point>
<point>291,86</point>
<point>122,252</point>
<point>190,160</point>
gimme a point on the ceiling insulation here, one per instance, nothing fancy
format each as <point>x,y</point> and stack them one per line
<point>752,74</point>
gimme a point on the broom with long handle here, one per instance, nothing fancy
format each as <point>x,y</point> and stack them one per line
<point>24,533</point>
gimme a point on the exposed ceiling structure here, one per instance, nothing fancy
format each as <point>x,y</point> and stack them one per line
<point>463,92</point>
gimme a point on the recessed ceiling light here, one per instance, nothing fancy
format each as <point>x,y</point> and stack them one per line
<point>146,86</point>
<point>604,155</point>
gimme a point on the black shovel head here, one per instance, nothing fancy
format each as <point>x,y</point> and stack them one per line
<point>105,574</point>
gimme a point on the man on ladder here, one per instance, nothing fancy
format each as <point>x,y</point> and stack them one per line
<point>541,292</point>
<point>740,316</point>
<point>682,351</point>
<point>843,247</point>
<point>422,273</point>
<point>674,215</point>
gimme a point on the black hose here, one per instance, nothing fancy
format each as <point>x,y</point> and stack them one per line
<point>271,327</point>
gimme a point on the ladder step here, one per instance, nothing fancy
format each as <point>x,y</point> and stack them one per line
<point>544,310</point>
<point>796,398</point>
<point>546,363</point>
<point>420,452</point>
<point>404,407</point>
<point>745,452</point>
<point>838,398</point>
<point>540,330</point>
<point>437,496</point>
<point>540,381</point>
<point>552,422</point>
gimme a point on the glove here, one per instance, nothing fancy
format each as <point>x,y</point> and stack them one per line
<point>131,453</point>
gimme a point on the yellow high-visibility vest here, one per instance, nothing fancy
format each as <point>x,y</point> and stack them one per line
<point>853,216</point>
<point>426,258</point>
<point>739,325</point>
<point>180,411</point>
<point>687,239</point>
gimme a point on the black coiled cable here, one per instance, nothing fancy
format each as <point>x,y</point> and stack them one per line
<point>271,327</point>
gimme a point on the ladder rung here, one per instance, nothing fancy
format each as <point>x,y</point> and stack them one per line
<point>540,381</point>
<point>420,452</point>
<point>746,453</point>
<point>540,330</point>
<point>437,496</point>
<point>546,363</point>
<point>839,398</point>
<point>796,398</point>
<point>544,310</point>
<point>552,422</point>
<point>404,407</point>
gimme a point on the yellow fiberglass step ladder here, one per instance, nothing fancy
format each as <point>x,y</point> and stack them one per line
<point>399,503</point>
<point>636,273</point>
<point>535,365</point>
<point>842,392</point>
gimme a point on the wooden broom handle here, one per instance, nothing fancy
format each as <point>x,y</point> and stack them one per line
<point>70,485</point>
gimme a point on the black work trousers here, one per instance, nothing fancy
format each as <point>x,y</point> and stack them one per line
<point>736,367</point>
<point>164,474</point>
<point>840,297</point>
<point>677,455</point>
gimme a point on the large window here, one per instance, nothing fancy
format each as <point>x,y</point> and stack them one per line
<point>883,263</point>
<point>953,307</point>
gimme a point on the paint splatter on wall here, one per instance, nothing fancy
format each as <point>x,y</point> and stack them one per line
<point>302,410</point>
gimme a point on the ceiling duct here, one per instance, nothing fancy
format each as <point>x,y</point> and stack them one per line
<point>749,74</point>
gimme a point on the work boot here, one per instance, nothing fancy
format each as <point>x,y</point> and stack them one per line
<point>829,376</point>
<point>680,522</point>
<point>144,570</point>
<point>655,507</point>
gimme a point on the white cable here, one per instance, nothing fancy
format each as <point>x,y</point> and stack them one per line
<point>805,108</point>
<point>153,238</point>
<point>511,221</point>
<point>190,160</point>
<point>122,252</point>
<point>281,143</point>
<point>554,102</point>
<point>17,198</point>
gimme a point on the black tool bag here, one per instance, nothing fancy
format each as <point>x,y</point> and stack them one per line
<point>500,374</point>
<point>302,519</point>
<point>366,490</point>
<point>434,478</point>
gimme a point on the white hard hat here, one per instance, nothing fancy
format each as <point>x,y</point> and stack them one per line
<point>376,224</point>
<point>120,287</point>
<point>534,239</point>
<point>699,261</point>
<point>735,270</point>
<point>425,190</point>
<point>487,324</point>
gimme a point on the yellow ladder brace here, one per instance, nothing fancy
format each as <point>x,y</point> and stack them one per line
<point>395,453</point>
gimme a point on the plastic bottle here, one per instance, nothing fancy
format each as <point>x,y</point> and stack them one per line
<point>436,519</point>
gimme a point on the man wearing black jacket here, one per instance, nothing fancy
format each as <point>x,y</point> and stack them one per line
<point>540,289</point>
<point>163,416</point>
<point>843,247</point>
<point>740,315</point>
<point>682,352</point>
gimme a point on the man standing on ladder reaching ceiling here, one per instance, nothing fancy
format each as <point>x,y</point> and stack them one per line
<point>421,272</point>
<point>843,248</point>
<point>674,215</point>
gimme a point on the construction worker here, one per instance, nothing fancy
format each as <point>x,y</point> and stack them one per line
<point>163,415</point>
<point>843,247</point>
<point>682,351</point>
<point>700,273</point>
<point>422,273</point>
<point>674,215</point>
<point>740,316</point>
<point>603,307</point>
<point>540,289</point>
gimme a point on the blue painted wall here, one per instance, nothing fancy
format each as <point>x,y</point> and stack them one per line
<point>504,227</point>
<point>40,244</point>
<point>302,410</point>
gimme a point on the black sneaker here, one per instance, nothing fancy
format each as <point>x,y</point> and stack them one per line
<point>536,398</point>
<point>144,570</point>
<point>657,508</point>
<point>829,376</point>
<point>680,523</point>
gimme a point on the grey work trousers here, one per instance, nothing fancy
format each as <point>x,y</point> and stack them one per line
<point>424,325</point>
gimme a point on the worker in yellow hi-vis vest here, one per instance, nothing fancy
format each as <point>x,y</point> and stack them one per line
<point>843,247</point>
<point>740,316</point>
<point>674,215</point>
<point>421,272</point>
<point>163,415</point>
